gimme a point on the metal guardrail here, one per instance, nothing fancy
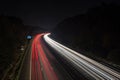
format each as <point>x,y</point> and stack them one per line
<point>22,60</point>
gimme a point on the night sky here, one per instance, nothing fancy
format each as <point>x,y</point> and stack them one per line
<point>48,13</point>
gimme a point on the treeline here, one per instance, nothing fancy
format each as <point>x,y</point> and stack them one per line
<point>96,31</point>
<point>12,36</point>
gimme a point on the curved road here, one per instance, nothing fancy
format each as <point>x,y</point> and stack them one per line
<point>51,60</point>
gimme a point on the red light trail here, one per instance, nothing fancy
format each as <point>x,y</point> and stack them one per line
<point>41,68</point>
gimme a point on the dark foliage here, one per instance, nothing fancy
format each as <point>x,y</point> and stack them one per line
<point>12,36</point>
<point>97,31</point>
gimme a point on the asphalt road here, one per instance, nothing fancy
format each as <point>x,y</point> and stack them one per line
<point>50,60</point>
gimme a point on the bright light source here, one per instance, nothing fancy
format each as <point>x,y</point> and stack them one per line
<point>29,37</point>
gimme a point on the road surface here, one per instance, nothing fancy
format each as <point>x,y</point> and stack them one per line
<point>51,60</point>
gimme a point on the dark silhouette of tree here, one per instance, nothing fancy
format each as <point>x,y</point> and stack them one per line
<point>96,31</point>
<point>12,36</point>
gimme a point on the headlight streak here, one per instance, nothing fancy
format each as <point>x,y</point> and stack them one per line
<point>93,68</point>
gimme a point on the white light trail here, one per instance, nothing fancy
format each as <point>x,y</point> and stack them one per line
<point>89,66</point>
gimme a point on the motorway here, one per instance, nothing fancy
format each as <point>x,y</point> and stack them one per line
<point>50,60</point>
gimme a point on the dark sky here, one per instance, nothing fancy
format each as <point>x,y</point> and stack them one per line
<point>48,13</point>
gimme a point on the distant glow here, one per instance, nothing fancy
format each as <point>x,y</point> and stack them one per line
<point>47,33</point>
<point>29,37</point>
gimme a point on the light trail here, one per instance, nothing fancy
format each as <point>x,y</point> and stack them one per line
<point>41,67</point>
<point>93,69</point>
